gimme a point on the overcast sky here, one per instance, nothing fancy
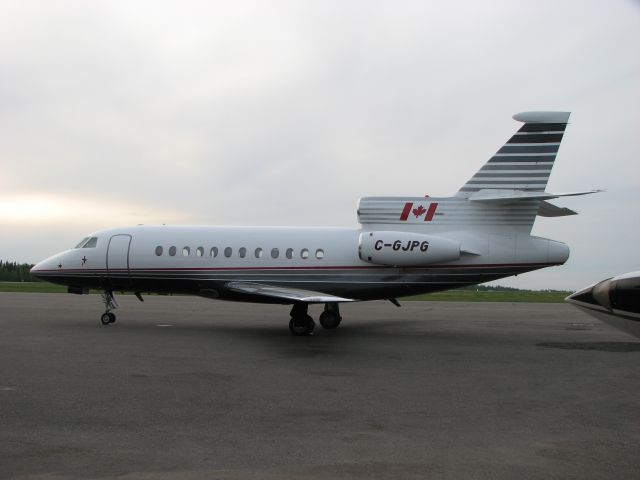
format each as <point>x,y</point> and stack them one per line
<point>286,112</point>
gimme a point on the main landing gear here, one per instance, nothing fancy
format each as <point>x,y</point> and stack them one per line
<point>330,318</point>
<point>110,304</point>
<point>302,324</point>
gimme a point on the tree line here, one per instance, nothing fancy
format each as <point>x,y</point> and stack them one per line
<point>16,272</point>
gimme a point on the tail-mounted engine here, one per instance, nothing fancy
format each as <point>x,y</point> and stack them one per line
<point>405,249</point>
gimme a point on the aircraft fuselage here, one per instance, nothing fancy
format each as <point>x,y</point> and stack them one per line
<point>201,260</point>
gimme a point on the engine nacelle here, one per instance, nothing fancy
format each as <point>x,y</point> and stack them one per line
<point>406,249</point>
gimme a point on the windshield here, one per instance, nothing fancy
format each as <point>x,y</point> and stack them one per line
<point>82,242</point>
<point>88,242</point>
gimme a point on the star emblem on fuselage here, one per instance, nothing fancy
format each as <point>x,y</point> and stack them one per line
<point>84,260</point>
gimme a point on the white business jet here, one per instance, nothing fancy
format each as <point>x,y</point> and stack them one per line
<point>615,301</point>
<point>404,245</point>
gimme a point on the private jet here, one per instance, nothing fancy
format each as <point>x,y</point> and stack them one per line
<point>403,246</point>
<point>615,301</point>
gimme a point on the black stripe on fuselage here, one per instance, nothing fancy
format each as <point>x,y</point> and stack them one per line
<point>525,158</point>
<point>516,167</point>
<point>529,149</point>
<point>535,138</point>
<point>476,189</point>
<point>473,181</point>
<point>510,174</point>
<point>365,283</point>
<point>543,127</point>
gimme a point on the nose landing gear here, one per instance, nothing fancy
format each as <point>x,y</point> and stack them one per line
<point>108,318</point>
<point>110,304</point>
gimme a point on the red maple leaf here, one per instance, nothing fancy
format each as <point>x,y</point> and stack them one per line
<point>419,211</point>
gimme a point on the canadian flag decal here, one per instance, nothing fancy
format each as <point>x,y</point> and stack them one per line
<point>418,211</point>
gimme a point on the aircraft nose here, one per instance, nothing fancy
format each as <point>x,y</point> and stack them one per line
<point>598,294</point>
<point>36,270</point>
<point>41,269</point>
<point>612,301</point>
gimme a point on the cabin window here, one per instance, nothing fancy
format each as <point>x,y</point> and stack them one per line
<point>304,253</point>
<point>228,251</point>
<point>242,252</point>
<point>258,252</point>
<point>199,251</point>
<point>172,251</point>
<point>158,250</point>
<point>319,254</point>
<point>275,253</point>
<point>186,251</point>
<point>213,253</point>
<point>289,253</point>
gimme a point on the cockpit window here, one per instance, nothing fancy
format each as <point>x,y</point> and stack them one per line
<point>82,242</point>
<point>91,243</point>
<point>88,242</point>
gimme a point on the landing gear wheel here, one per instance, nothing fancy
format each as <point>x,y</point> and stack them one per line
<point>106,318</point>
<point>301,326</point>
<point>109,303</point>
<point>301,323</point>
<point>330,319</point>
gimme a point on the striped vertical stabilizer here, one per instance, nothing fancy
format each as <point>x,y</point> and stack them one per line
<point>525,161</point>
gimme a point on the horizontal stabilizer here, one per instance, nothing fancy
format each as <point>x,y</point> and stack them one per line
<point>542,117</point>
<point>550,210</point>
<point>491,195</point>
<point>284,293</point>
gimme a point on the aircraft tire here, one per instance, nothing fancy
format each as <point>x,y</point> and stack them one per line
<point>330,319</point>
<point>106,318</point>
<point>112,317</point>
<point>302,326</point>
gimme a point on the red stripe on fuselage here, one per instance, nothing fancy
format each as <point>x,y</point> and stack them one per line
<point>431,212</point>
<point>406,211</point>
<point>353,267</point>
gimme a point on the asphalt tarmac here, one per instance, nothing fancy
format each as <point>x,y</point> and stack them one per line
<point>191,388</point>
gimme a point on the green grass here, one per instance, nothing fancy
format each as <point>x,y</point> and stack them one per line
<point>449,296</point>
<point>493,296</point>
<point>32,287</point>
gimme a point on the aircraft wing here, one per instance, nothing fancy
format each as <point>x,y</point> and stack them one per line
<point>285,293</point>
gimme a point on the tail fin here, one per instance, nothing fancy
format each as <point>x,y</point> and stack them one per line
<point>524,163</point>
<point>506,194</point>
